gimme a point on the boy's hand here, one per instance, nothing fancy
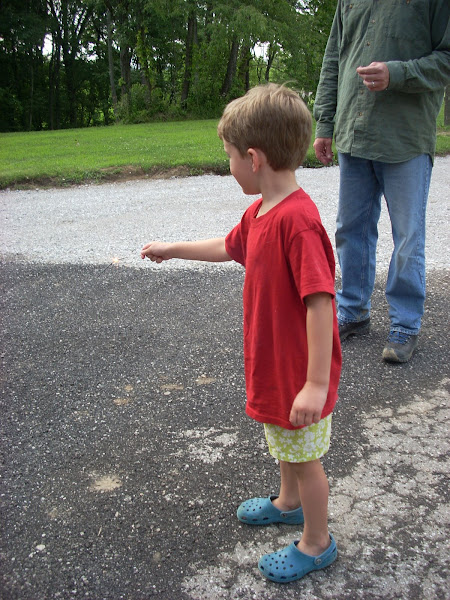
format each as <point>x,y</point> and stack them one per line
<point>156,251</point>
<point>308,404</point>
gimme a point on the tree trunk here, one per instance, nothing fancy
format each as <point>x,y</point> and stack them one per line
<point>111,62</point>
<point>125,71</point>
<point>270,58</point>
<point>244,66</point>
<point>447,106</point>
<point>191,40</point>
<point>30,114</point>
<point>208,21</point>
<point>69,64</point>
<point>231,68</point>
<point>144,60</point>
<point>54,72</point>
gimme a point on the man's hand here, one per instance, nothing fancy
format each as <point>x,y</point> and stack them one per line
<point>308,404</point>
<point>375,76</point>
<point>322,148</point>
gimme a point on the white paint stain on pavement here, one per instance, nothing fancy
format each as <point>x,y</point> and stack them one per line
<point>209,444</point>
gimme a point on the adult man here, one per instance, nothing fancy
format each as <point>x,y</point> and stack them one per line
<point>381,87</point>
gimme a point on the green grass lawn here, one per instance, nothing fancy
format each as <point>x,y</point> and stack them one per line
<point>76,155</point>
<point>71,156</point>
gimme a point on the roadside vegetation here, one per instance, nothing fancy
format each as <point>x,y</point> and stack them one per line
<point>82,63</point>
<point>95,90</point>
<point>73,156</point>
<point>89,155</point>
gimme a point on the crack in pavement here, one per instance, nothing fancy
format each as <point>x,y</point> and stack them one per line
<point>386,506</point>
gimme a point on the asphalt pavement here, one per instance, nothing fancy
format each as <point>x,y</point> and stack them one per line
<point>126,450</point>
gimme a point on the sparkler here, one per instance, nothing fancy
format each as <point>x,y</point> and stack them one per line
<point>114,262</point>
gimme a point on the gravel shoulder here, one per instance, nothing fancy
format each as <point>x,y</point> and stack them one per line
<point>94,224</point>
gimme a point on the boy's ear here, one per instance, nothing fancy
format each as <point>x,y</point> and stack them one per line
<point>257,157</point>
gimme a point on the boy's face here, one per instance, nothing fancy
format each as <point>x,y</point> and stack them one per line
<point>241,168</point>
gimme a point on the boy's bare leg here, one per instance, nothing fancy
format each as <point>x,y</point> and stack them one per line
<point>289,496</point>
<point>314,489</point>
<point>306,484</point>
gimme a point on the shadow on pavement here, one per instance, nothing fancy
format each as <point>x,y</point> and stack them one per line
<point>126,450</point>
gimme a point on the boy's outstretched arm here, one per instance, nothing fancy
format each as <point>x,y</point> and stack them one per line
<point>309,402</point>
<point>212,250</point>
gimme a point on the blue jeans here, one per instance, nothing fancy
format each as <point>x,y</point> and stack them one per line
<point>405,187</point>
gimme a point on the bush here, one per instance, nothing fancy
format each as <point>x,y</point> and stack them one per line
<point>145,109</point>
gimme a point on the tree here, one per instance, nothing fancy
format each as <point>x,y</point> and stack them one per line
<point>22,64</point>
<point>133,60</point>
<point>191,43</point>
<point>69,20</point>
<point>304,43</point>
<point>112,80</point>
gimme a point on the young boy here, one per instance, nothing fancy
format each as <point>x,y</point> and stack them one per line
<point>291,340</point>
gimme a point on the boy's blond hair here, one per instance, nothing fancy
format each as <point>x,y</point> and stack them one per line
<point>271,118</point>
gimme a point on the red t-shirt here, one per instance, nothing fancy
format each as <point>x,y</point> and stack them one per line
<point>287,256</point>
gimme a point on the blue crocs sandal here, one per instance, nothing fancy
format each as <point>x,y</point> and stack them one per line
<point>290,564</point>
<point>261,511</point>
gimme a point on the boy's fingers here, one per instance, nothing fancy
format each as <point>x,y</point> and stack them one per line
<point>293,419</point>
<point>297,418</point>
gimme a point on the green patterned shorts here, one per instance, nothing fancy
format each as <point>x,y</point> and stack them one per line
<point>299,445</point>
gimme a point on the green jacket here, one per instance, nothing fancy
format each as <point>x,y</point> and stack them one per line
<point>413,38</point>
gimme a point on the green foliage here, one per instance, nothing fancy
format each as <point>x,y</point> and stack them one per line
<point>443,134</point>
<point>22,65</point>
<point>302,61</point>
<point>441,120</point>
<point>135,60</point>
<point>78,63</point>
<point>146,107</point>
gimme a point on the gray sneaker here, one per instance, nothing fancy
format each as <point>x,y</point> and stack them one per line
<point>400,347</point>
<point>354,328</point>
